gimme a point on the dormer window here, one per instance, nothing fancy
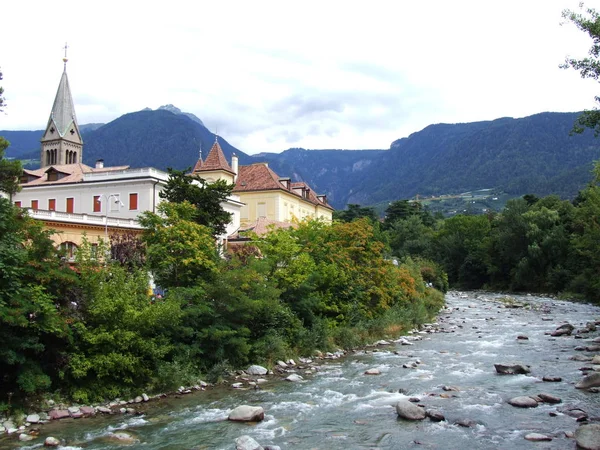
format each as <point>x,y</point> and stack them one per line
<point>53,175</point>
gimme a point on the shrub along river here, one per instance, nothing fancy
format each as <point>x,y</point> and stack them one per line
<point>449,368</point>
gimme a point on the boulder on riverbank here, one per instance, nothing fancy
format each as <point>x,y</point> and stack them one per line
<point>409,411</point>
<point>512,369</point>
<point>256,370</point>
<point>245,413</point>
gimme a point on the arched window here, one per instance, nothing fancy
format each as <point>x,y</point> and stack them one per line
<point>69,249</point>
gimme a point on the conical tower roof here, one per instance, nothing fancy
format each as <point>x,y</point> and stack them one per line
<point>214,161</point>
<point>63,110</point>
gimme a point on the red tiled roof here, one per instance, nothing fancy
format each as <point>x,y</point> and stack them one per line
<point>256,177</point>
<point>214,161</point>
<point>73,173</point>
<point>259,177</point>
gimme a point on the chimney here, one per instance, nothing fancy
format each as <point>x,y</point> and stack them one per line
<point>100,164</point>
<point>285,182</point>
<point>234,166</point>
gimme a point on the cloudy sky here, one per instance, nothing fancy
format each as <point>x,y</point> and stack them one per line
<point>270,75</point>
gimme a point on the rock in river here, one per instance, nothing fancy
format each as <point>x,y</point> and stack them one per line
<point>245,413</point>
<point>294,377</point>
<point>247,443</point>
<point>549,398</point>
<point>589,381</point>
<point>588,436</point>
<point>512,369</point>
<point>51,442</point>
<point>435,415</point>
<point>565,329</point>
<point>409,411</point>
<point>537,437</point>
<point>372,372</point>
<point>523,402</point>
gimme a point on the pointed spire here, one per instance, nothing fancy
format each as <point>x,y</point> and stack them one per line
<point>198,165</point>
<point>63,110</point>
<point>215,160</point>
<point>61,142</point>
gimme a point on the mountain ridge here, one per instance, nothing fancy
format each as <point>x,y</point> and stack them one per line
<point>535,154</point>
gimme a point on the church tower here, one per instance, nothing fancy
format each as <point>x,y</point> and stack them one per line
<point>62,143</point>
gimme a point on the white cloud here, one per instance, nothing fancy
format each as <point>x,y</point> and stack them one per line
<point>272,75</point>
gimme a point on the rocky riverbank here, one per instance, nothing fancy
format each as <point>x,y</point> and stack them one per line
<point>492,372</point>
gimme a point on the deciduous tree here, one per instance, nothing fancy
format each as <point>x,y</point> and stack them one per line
<point>588,21</point>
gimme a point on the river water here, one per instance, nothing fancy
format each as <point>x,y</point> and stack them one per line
<point>341,408</point>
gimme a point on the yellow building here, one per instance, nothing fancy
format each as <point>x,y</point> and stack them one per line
<point>264,193</point>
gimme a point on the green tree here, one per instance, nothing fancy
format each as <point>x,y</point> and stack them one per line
<point>34,289</point>
<point>123,340</point>
<point>403,209</point>
<point>410,237</point>
<point>180,252</point>
<point>10,171</point>
<point>206,197</point>
<point>354,211</point>
<point>461,248</point>
<point>586,241</point>
<point>588,21</point>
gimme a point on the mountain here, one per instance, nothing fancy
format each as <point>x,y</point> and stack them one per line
<point>331,172</point>
<point>157,138</point>
<point>23,144</point>
<point>176,110</point>
<point>535,154</point>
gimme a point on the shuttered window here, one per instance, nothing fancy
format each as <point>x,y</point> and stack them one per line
<point>97,204</point>
<point>34,204</point>
<point>52,204</point>
<point>133,202</point>
<point>70,203</point>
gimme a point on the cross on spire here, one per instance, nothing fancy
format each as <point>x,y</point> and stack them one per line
<point>65,59</point>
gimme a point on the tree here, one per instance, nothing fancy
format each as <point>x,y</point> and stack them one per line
<point>34,315</point>
<point>206,197</point>
<point>355,211</point>
<point>180,252</point>
<point>589,67</point>
<point>10,171</point>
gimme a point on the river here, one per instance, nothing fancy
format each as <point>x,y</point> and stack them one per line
<point>341,408</point>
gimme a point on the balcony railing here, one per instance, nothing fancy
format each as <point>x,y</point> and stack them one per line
<point>127,173</point>
<point>84,219</point>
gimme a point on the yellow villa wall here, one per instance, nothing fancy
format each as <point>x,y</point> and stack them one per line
<point>74,232</point>
<point>280,206</point>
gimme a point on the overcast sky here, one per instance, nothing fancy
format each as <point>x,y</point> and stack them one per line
<point>314,74</point>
